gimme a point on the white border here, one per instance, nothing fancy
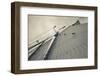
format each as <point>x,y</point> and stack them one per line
<point>25,64</point>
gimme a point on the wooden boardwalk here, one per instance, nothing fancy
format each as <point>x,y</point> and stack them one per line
<point>72,43</point>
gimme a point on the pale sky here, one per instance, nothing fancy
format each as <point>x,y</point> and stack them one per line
<point>40,24</point>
